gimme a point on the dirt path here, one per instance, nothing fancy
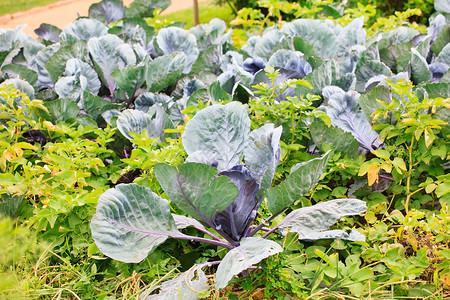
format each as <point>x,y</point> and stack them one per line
<point>64,12</point>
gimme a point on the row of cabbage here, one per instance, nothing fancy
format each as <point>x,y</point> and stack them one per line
<point>113,67</point>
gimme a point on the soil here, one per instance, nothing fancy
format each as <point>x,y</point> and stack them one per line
<point>64,12</point>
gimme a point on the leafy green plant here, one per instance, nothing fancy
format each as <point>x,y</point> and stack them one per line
<point>218,191</point>
<point>412,146</point>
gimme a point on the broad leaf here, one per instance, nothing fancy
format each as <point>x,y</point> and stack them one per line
<point>444,55</point>
<point>344,112</point>
<point>48,32</point>
<point>21,72</point>
<point>129,79</point>
<point>419,68</point>
<point>107,10</point>
<point>9,205</point>
<point>442,6</point>
<point>436,90</point>
<point>174,39</point>
<point>56,64</point>
<point>338,139</point>
<point>209,60</point>
<point>442,40</point>
<point>133,121</point>
<point>401,34</point>
<point>217,93</point>
<point>391,55</point>
<point>95,106</point>
<point>251,251</point>
<point>266,43</point>
<point>310,221</point>
<point>369,104</point>
<point>164,71</point>
<point>145,8</point>
<point>353,235</point>
<point>82,29</point>
<point>38,63</point>
<point>221,130</point>
<point>77,78</point>
<point>291,61</point>
<point>319,33</point>
<point>133,31</point>
<point>192,187</point>
<point>146,100</point>
<point>183,287</point>
<point>130,222</point>
<point>210,34</point>
<point>366,71</point>
<point>304,47</point>
<point>110,53</point>
<point>326,74</point>
<point>303,177</point>
<point>59,110</point>
<point>262,154</point>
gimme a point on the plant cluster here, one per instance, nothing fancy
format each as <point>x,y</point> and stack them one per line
<point>177,151</point>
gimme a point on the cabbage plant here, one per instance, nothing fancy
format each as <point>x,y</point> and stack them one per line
<point>227,175</point>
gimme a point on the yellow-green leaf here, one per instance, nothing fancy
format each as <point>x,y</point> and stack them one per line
<point>399,165</point>
<point>430,188</point>
<point>372,174</point>
<point>382,154</point>
<point>429,137</point>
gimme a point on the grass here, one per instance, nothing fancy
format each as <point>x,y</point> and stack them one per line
<point>207,12</point>
<point>12,6</point>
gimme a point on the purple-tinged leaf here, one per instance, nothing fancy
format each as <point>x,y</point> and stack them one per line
<point>130,222</point>
<point>344,111</point>
<point>237,218</point>
<point>107,10</point>
<point>48,32</point>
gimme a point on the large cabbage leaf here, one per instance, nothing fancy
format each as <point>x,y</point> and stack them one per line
<point>196,189</point>
<point>303,177</point>
<point>145,8</point>
<point>154,121</point>
<point>313,222</point>
<point>110,53</point>
<point>319,33</point>
<point>107,11</point>
<point>82,29</point>
<point>262,154</point>
<point>218,134</point>
<point>164,71</point>
<point>251,251</point>
<point>77,78</point>
<point>211,34</point>
<point>48,32</point>
<point>185,286</point>
<point>345,113</point>
<point>130,222</point>
<point>338,139</point>
<point>174,39</point>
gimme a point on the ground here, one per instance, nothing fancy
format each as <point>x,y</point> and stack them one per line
<point>64,12</point>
